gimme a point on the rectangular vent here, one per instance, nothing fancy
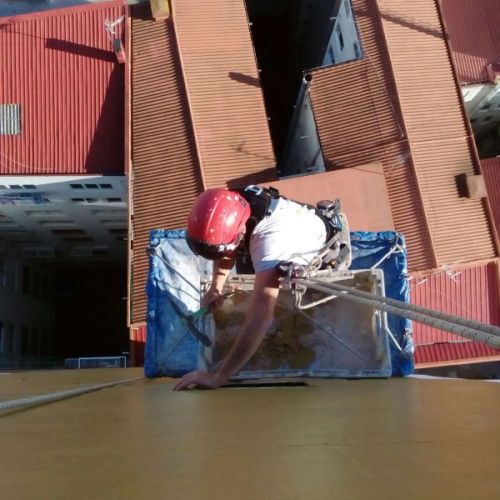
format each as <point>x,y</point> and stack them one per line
<point>10,119</point>
<point>78,239</point>
<point>110,212</point>
<point>120,231</point>
<point>58,224</point>
<point>38,252</point>
<point>81,252</point>
<point>68,232</point>
<point>44,213</point>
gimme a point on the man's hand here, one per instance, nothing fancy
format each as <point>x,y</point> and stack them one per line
<point>198,380</point>
<point>214,297</point>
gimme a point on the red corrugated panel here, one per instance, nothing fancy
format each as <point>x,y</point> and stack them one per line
<point>225,97</point>
<point>449,353</point>
<point>60,68</point>
<point>491,171</point>
<point>469,292</point>
<point>165,174</point>
<point>137,344</point>
<point>474,32</point>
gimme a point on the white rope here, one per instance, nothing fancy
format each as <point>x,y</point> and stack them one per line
<point>58,396</point>
<point>111,26</point>
<point>395,248</point>
<point>472,330</point>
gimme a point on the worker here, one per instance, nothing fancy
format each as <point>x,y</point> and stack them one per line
<point>273,229</point>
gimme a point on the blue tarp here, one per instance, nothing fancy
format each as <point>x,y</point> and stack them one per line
<point>173,291</point>
<point>387,250</point>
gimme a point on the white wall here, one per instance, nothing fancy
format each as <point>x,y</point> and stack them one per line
<point>344,43</point>
<point>25,309</point>
<point>14,7</point>
<point>303,151</point>
<point>482,102</point>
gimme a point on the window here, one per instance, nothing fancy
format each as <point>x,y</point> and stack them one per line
<point>68,232</point>
<point>45,287</point>
<point>485,107</point>
<point>10,119</point>
<point>340,37</point>
<point>24,340</point>
<point>35,340</point>
<point>26,279</point>
<point>357,51</point>
<point>347,7</point>
<point>331,55</point>
<point>76,186</point>
<point>36,283</point>
<point>3,271</point>
<point>9,345</point>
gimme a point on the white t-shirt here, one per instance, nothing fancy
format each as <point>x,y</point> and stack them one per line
<point>292,232</point>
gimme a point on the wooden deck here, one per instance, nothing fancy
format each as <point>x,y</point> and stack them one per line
<point>342,439</point>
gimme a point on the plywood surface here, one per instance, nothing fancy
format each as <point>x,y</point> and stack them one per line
<point>340,439</point>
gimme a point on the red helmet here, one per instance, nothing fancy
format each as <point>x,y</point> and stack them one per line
<point>216,224</point>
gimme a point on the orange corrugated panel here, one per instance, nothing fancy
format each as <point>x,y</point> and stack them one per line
<point>422,70</point>
<point>430,101</point>
<point>474,34</point>
<point>491,171</point>
<point>438,165</point>
<point>382,109</point>
<point>225,96</point>
<point>359,121</point>
<point>164,178</point>
<point>60,68</point>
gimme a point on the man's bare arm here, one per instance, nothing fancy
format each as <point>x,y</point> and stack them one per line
<point>222,268</point>
<point>256,324</point>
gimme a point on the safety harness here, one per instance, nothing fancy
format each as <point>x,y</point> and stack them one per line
<point>260,199</point>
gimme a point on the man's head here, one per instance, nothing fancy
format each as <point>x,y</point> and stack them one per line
<point>216,224</point>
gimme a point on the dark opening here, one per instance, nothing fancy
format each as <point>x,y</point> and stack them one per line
<point>263,383</point>
<point>290,37</point>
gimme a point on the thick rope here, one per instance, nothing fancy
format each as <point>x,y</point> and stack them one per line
<point>58,396</point>
<point>485,333</point>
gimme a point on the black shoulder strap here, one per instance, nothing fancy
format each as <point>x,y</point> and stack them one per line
<point>259,199</point>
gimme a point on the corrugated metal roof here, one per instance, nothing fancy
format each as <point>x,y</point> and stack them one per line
<point>165,174</point>
<point>198,118</point>
<point>225,97</point>
<point>60,68</point>
<point>436,126</point>
<point>468,292</point>
<point>474,34</point>
<point>384,110</point>
<point>449,353</point>
<point>491,171</point>
<point>359,120</point>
